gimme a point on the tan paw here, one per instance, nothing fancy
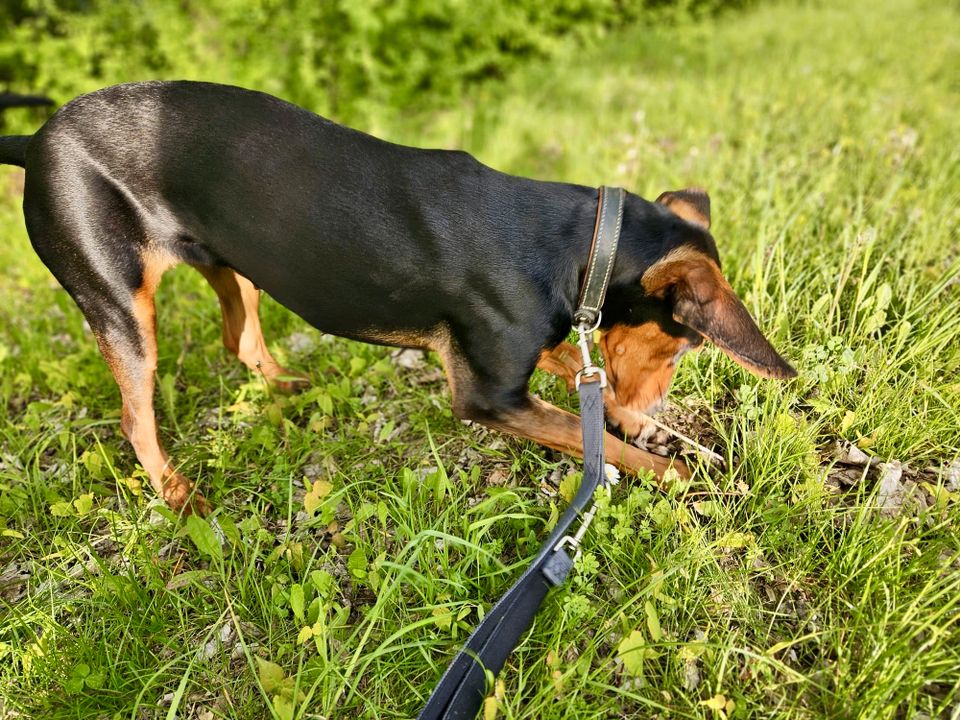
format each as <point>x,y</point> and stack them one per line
<point>180,497</point>
<point>631,423</point>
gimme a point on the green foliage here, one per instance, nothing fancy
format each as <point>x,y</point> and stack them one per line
<point>338,57</point>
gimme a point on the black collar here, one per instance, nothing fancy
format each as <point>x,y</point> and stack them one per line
<point>603,252</point>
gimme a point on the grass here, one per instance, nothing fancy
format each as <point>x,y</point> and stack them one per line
<point>789,586</point>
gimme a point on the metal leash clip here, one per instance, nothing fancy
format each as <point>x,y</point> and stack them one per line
<point>560,563</point>
<point>573,541</point>
<point>611,476</point>
<point>589,368</point>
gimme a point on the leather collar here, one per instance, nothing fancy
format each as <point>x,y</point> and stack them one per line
<point>603,253</point>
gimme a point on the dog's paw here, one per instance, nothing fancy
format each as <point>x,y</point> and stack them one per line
<point>180,497</point>
<point>290,383</point>
<point>631,423</point>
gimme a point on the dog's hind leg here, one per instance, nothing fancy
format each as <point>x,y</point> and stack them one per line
<point>92,238</point>
<point>239,306</point>
<point>131,352</point>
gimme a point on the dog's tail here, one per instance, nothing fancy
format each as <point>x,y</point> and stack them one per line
<point>9,100</point>
<point>13,149</point>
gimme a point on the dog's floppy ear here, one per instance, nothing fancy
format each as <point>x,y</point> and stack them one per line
<point>703,300</point>
<point>692,204</point>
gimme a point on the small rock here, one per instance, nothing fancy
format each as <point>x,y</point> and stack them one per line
<point>852,455</point>
<point>301,343</point>
<point>240,651</point>
<point>832,483</point>
<point>691,675</point>
<point>849,477</point>
<point>892,492</point>
<point>224,639</point>
<point>952,478</point>
<point>498,477</point>
<point>312,471</point>
<point>409,358</point>
<point>548,490</point>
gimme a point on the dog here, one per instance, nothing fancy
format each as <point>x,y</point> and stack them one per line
<point>9,100</point>
<point>367,240</point>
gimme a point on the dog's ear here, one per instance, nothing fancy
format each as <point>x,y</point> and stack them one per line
<point>692,204</point>
<point>703,300</point>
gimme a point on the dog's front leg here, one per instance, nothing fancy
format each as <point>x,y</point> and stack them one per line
<point>555,428</point>
<point>564,362</point>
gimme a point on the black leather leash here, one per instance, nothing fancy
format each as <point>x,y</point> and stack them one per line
<point>459,694</point>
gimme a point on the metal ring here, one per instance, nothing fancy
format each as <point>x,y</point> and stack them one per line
<point>584,330</point>
<point>587,372</point>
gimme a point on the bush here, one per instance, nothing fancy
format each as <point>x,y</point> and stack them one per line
<point>339,57</point>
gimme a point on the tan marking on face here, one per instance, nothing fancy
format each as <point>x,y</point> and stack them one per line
<point>640,363</point>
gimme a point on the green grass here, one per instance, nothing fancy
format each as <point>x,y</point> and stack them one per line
<point>828,140</point>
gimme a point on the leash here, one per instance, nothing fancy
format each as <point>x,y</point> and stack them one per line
<point>460,693</point>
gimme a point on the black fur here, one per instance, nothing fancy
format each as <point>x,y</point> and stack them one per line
<point>360,237</point>
<point>13,150</point>
<point>9,100</point>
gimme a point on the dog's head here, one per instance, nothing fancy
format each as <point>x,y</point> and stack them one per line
<point>679,300</point>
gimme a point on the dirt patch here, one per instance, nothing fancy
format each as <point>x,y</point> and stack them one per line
<point>901,487</point>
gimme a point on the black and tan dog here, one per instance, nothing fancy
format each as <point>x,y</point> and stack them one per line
<point>367,240</point>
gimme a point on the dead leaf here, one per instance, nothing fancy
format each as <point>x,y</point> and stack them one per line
<point>952,476</point>
<point>892,492</point>
<point>852,455</point>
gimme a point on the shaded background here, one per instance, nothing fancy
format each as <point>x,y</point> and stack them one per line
<point>353,61</point>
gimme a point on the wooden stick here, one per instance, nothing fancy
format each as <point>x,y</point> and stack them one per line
<point>684,438</point>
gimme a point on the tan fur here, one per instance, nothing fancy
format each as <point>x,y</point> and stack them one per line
<point>242,335</point>
<point>677,265</point>
<point>640,365</point>
<point>685,209</point>
<point>563,361</point>
<point>555,428</point>
<point>134,374</point>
